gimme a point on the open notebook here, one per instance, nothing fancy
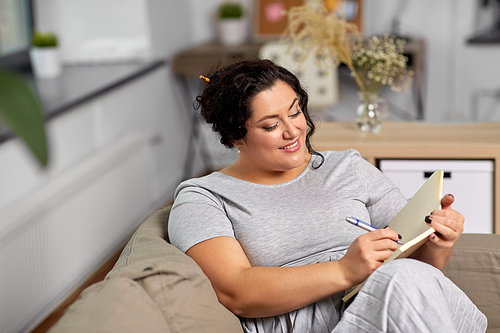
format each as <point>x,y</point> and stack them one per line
<point>410,221</point>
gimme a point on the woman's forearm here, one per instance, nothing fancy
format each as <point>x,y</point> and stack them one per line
<point>268,291</point>
<point>256,291</point>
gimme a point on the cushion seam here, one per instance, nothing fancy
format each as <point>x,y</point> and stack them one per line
<point>492,251</point>
<point>169,317</point>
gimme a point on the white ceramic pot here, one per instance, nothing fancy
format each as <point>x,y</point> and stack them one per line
<point>233,31</point>
<point>46,62</point>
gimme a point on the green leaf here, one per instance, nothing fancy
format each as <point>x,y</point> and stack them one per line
<point>21,111</point>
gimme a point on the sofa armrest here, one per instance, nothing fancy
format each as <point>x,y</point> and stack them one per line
<point>475,268</point>
<point>174,281</point>
<point>114,305</point>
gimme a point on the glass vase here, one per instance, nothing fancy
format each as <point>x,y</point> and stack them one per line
<point>370,111</point>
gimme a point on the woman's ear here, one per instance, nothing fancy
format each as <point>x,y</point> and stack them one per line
<point>237,143</point>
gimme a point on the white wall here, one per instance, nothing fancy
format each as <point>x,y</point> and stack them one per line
<point>170,26</point>
<point>455,70</point>
<point>477,69</point>
<point>93,30</point>
<point>115,30</point>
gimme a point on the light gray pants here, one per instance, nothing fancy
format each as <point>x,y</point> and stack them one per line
<point>407,295</point>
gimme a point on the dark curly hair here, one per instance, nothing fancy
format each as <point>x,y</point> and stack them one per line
<point>226,100</point>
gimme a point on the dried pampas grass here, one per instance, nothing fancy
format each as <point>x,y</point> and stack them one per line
<point>327,34</point>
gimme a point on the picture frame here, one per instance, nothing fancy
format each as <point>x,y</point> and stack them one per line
<point>270,20</point>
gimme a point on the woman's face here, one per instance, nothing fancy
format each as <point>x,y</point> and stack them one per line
<point>276,131</point>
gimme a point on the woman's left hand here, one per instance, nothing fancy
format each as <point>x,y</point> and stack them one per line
<point>447,223</point>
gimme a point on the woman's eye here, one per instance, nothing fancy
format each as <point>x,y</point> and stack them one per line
<point>299,111</point>
<point>271,128</point>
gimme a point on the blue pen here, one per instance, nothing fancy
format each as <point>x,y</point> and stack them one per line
<point>365,226</point>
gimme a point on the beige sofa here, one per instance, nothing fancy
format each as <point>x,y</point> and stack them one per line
<point>156,288</point>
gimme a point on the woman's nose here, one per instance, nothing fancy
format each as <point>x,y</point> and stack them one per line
<point>291,131</point>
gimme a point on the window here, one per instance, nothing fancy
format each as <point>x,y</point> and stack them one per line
<point>16,24</point>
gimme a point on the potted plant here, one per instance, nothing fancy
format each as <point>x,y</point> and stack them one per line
<point>232,23</point>
<point>44,55</point>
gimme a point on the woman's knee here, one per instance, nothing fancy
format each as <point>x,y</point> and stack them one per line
<point>407,273</point>
<point>410,267</point>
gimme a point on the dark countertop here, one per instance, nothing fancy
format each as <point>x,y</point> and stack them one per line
<point>79,84</point>
<point>196,60</point>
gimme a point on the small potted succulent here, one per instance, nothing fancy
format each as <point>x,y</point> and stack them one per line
<point>233,24</point>
<point>44,55</point>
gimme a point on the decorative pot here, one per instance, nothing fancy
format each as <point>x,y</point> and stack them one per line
<point>370,111</point>
<point>46,62</point>
<point>233,31</point>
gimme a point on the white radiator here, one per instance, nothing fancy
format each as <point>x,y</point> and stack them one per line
<point>57,235</point>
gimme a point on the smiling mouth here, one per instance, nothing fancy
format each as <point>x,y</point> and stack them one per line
<point>293,145</point>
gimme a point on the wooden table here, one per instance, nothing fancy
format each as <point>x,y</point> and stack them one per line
<point>414,140</point>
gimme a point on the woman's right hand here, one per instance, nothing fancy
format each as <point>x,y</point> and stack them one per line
<point>367,253</point>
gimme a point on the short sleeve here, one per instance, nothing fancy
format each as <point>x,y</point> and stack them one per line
<point>385,199</point>
<point>197,215</point>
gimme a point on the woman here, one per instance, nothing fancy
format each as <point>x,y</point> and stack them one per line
<point>269,231</point>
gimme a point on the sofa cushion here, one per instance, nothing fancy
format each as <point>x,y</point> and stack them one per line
<point>475,268</point>
<point>114,305</point>
<point>174,281</point>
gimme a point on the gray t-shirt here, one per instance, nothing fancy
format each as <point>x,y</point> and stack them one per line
<point>295,223</point>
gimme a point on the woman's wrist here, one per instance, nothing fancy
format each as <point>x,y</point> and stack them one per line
<point>344,277</point>
<point>432,254</point>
